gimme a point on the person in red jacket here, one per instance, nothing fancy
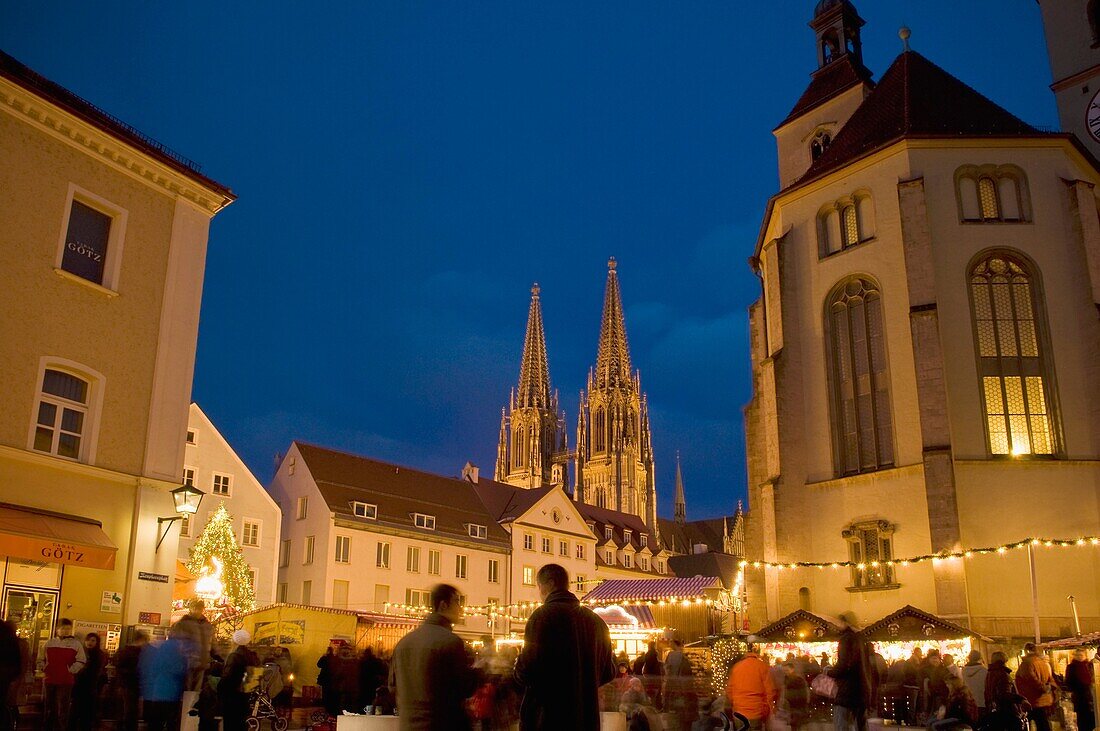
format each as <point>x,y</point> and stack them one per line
<point>750,689</point>
<point>64,659</point>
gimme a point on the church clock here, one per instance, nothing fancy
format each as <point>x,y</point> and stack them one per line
<point>1092,116</point>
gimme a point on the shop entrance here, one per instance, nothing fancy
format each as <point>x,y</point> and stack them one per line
<point>33,612</point>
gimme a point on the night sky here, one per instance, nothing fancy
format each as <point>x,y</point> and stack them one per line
<point>406,170</point>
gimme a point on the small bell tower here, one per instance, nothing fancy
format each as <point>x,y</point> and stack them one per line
<point>837,25</point>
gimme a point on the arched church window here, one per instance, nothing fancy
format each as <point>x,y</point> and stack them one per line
<point>519,447</point>
<point>987,199</point>
<point>846,222</point>
<point>1010,330</point>
<point>863,434</point>
<point>819,144</point>
<point>849,225</point>
<point>1094,21</point>
<point>992,193</point>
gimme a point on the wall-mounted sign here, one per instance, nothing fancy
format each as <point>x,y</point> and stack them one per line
<point>148,617</point>
<point>150,576</point>
<point>111,603</point>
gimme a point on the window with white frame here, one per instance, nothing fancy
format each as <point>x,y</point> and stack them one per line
<point>845,223</point>
<point>222,484</point>
<point>308,556</point>
<point>343,549</point>
<point>433,562</point>
<point>62,416</point>
<point>580,551</point>
<point>610,558</point>
<point>191,436</point>
<point>307,591</point>
<point>626,536</point>
<point>547,545</point>
<point>189,476</point>
<point>382,555</point>
<point>660,567</point>
<point>185,526</point>
<point>563,548</point>
<point>364,510</point>
<point>579,584</point>
<point>608,532</point>
<point>280,593</point>
<point>528,542</point>
<point>644,539</point>
<point>250,535</point>
<point>870,548</point>
<point>302,509</point>
<point>627,562</point>
<point>412,559</point>
<point>251,574</point>
<point>284,553</point>
<point>494,571</point>
<point>528,575</point>
<point>91,243</point>
<point>420,520</point>
<point>417,597</point>
<point>460,566</point>
<point>992,194</point>
<point>477,531</point>
<point>643,563</point>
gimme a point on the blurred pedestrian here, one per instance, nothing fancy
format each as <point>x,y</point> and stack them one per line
<point>237,682</point>
<point>163,669</point>
<point>973,674</point>
<point>87,684</point>
<point>750,689</point>
<point>372,675</point>
<point>345,678</point>
<point>329,698</point>
<point>1002,700</point>
<point>64,659</point>
<point>795,696</point>
<point>431,671</point>
<point>850,672</point>
<point>199,634</point>
<point>13,665</point>
<point>1079,681</point>
<point>1035,682</point>
<point>129,680</point>
<point>567,655</point>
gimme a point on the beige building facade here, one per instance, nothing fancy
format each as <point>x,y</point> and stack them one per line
<point>211,465</point>
<point>923,353</point>
<point>106,237</point>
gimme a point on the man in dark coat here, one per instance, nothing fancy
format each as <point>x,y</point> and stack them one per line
<point>851,693</point>
<point>431,671</point>
<point>567,656</point>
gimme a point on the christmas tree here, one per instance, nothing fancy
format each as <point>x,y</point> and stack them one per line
<point>216,557</point>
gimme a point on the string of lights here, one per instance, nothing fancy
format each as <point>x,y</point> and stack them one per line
<point>934,557</point>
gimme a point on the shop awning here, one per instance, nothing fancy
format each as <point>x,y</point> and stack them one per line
<point>40,535</point>
<point>1091,639</point>
<point>617,591</point>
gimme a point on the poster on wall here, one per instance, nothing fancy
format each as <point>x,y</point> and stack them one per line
<point>111,603</point>
<point>109,634</point>
<point>291,632</point>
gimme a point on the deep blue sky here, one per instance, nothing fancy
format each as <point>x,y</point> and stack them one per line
<point>407,169</point>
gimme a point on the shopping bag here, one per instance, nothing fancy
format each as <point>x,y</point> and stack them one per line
<point>824,686</point>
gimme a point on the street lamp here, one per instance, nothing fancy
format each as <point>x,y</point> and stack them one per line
<point>186,499</point>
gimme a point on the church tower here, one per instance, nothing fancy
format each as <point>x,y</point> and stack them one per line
<point>614,458</point>
<point>1073,44</point>
<point>680,506</point>
<point>532,432</point>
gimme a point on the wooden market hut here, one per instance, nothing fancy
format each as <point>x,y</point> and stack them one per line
<point>896,635</point>
<point>683,607</point>
<point>801,633</point>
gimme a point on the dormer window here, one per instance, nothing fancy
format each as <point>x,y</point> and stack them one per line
<point>364,510</point>
<point>626,560</point>
<point>644,539</point>
<point>608,532</point>
<point>420,520</point>
<point>626,536</point>
<point>611,558</point>
<point>477,531</point>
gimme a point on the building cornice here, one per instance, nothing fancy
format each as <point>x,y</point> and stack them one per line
<point>75,132</point>
<point>60,464</point>
<point>385,529</point>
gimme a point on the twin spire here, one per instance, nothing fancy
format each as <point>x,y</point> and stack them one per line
<point>534,368</point>
<point>613,354</point>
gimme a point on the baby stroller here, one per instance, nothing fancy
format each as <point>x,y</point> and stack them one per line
<point>261,708</point>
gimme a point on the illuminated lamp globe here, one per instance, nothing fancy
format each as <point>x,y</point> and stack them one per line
<point>187,499</point>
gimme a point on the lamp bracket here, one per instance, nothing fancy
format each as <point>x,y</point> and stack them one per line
<point>167,528</point>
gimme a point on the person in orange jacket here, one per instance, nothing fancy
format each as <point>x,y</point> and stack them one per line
<point>750,689</point>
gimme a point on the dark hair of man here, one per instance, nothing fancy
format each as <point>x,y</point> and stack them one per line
<point>65,622</point>
<point>554,576</point>
<point>442,594</point>
<point>1029,647</point>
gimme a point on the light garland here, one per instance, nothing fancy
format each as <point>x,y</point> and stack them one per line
<point>497,610</point>
<point>934,557</point>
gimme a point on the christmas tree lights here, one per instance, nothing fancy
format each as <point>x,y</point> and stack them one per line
<point>217,548</point>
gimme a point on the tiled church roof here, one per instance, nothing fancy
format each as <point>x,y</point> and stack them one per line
<point>827,82</point>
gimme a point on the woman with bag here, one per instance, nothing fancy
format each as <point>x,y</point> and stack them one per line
<point>233,688</point>
<point>1004,710</point>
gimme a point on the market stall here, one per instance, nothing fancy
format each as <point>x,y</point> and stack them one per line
<point>802,633</point>
<point>896,635</point>
<point>685,607</point>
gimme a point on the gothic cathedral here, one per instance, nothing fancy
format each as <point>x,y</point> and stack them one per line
<point>613,459</point>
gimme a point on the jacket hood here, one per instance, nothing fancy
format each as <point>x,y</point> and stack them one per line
<point>972,670</point>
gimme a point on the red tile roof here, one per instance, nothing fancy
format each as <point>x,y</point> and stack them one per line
<point>827,82</point>
<point>617,590</point>
<point>916,98</point>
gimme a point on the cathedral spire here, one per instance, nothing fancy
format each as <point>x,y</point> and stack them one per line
<point>534,369</point>
<point>613,354</point>
<point>681,504</point>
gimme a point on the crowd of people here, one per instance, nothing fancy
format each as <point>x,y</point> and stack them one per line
<point>926,689</point>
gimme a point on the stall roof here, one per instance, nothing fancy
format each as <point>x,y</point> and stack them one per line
<point>1090,639</point>
<point>633,590</point>
<point>787,629</point>
<point>910,623</point>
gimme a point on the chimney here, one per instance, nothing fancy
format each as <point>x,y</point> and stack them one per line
<point>469,472</point>
<point>700,548</point>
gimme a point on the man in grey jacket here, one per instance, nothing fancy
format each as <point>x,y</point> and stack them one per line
<point>431,671</point>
